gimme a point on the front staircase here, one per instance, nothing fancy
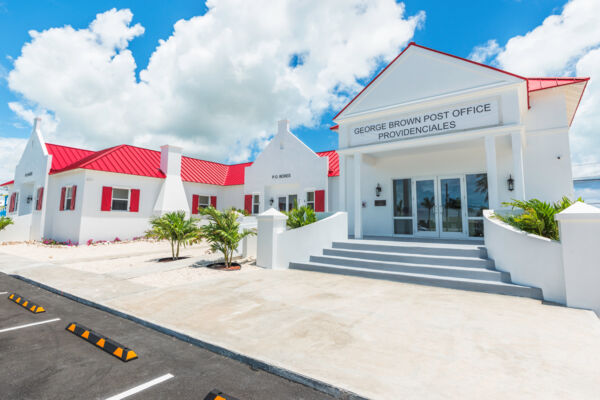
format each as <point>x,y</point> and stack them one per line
<point>450,264</point>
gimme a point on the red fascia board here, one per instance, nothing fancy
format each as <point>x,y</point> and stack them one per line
<point>7,183</point>
<point>571,81</point>
<point>334,128</point>
<point>435,51</point>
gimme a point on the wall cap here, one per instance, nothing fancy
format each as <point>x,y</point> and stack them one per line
<point>579,211</point>
<point>271,213</point>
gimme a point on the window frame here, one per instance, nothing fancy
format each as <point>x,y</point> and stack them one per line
<point>200,204</point>
<point>310,203</point>
<point>68,198</point>
<point>112,198</point>
<point>474,219</point>
<point>255,203</point>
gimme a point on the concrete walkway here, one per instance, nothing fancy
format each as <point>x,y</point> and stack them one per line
<point>379,339</point>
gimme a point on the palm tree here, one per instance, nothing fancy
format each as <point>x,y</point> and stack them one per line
<point>223,232</point>
<point>175,228</point>
<point>4,222</point>
<point>300,216</point>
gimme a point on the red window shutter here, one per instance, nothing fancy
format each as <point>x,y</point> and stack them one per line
<point>248,203</point>
<point>195,202</point>
<point>106,204</point>
<point>63,192</point>
<point>73,192</point>
<point>319,200</point>
<point>213,201</point>
<point>134,200</point>
<point>11,208</point>
<point>40,197</point>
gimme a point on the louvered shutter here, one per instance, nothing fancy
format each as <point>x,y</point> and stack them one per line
<point>195,202</point>
<point>248,203</point>
<point>63,192</point>
<point>11,208</point>
<point>213,201</point>
<point>319,200</point>
<point>134,200</point>
<point>106,198</point>
<point>40,198</point>
<point>73,192</point>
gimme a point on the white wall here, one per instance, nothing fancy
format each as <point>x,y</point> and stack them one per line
<point>18,231</point>
<point>531,260</point>
<point>64,225</point>
<point>107,225</point>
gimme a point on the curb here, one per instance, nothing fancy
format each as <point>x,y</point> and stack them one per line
<point>253,363</point>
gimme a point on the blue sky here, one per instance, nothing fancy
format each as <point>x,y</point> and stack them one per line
<point>455,27</point>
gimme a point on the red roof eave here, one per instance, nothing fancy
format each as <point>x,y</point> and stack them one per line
<point>7,183</point>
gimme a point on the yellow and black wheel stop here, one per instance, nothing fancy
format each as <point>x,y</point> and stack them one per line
<point>106,344</point>
<point>20,300</point>
<point>216,394</point>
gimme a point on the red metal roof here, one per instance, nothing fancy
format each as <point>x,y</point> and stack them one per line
<point>533,84</point>
<point>7,183</point>
<point>131,160</point>
<point>63,156</point>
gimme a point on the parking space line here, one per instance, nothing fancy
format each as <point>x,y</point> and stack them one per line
<point>28,325</point>
<point>141,387</point>
<point>3,292</point>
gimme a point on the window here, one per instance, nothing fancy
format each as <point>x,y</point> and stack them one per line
<point>68,198</point>
<point>120,199</point>
<point>255,204</point>
<point>292,201</point>
<point>203,201</point>
<point>281,203</point>
<point>477,201</point>
<point>310,199</point>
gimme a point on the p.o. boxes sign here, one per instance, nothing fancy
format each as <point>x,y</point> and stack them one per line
<point>427,123</point>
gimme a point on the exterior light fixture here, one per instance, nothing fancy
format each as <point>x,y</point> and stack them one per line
<point>511,183</point>
<point>378,190</point>
<point>271,201</point>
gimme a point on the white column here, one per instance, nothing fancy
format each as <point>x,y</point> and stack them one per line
<point>492,172</point>
<point>342,184</point>
<point>518,175</point>
<point>269,225</point>
<point>357,198</point>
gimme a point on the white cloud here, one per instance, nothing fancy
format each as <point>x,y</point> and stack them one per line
<point>564,45</point>
<point>484,52</point>
<point>219,83</point>
<point>10,154</point>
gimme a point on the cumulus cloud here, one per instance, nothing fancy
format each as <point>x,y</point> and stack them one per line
<point>10,154</point>
<point>565,44</point>
<point>484,52</point>
<point>219,83</point>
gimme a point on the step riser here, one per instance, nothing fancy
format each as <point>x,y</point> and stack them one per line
<point>422,250</point>
<point>474,273</point>
<point>411,259</point>
<point>533,293</point>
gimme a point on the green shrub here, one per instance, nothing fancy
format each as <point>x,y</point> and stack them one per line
<point>175,228</point>
<point>302,216</point>
<point>537,216</point>
<point>223,232</point>
<point>4,222</point>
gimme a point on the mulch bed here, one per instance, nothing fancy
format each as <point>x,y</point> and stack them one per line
<point>168,259</point>
<point>222,267</point>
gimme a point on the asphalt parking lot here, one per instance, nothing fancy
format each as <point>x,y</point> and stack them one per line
<point>40,359</point>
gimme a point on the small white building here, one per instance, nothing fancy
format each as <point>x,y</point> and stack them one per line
<point>424,148</point>
<point>68,194</point>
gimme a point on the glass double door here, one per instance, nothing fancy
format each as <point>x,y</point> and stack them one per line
<point>439,207</point>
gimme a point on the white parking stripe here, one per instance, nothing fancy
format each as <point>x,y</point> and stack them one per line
<point>141,387</point>
<point>3,292</point>
<point>28,325</point>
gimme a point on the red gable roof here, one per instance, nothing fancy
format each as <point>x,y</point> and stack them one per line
<point>131,160</point>
<point>533,84</point>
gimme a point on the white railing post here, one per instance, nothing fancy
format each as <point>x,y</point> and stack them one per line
<point>580,239</point>
<point>270,224</point>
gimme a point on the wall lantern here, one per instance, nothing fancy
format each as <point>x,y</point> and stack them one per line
<point>511,183</point>
<point>378,190</point>
<point>29,199</point>
<point>271,201</point>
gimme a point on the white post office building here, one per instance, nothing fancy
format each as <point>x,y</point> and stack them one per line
<point>424,148</point>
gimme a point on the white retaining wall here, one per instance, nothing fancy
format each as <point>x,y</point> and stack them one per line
<point>19,231</point>
<point>531,260</point>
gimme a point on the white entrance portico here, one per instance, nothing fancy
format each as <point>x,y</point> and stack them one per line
<point>435,139</point>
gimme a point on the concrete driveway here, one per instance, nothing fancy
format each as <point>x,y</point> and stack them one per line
<point>379,339</point>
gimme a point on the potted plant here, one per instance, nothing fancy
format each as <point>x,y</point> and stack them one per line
<point>223,234</point>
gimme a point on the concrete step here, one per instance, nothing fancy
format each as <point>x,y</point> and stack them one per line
<point>411,258</point>
<point>440,270</point>
<point>423,279</point>
<point>415,247</point>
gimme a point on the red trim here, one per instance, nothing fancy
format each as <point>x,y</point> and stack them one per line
<point>195,203</point>
<point>248,203</point>
<point>134,200</point>
<point>213,201</point>
<point>106,204</point>
<point>8,183</point>
<point>334,128</point>
<point>62,198</point>
<point>580,97</point>
<point>73,196</point>
<point>319,200</point>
